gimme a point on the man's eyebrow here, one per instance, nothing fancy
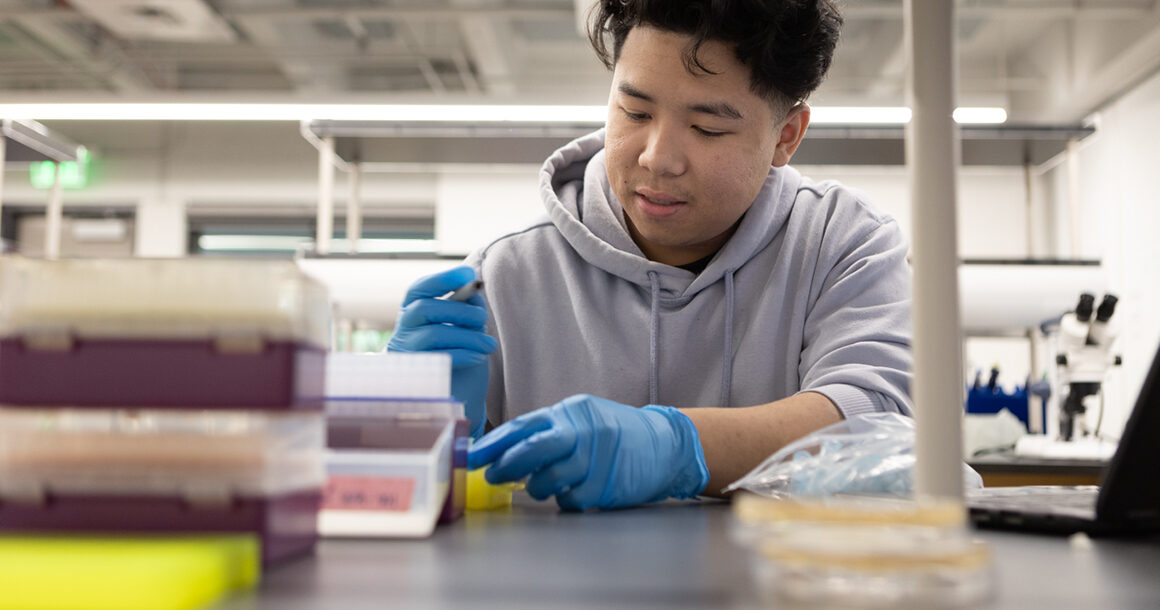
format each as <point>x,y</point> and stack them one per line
<point>631,91</point>
<point>719,109</point>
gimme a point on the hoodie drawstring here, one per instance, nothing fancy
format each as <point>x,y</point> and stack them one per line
<point>654,340</point>
<point>727,357</point>
<point>653,336</point>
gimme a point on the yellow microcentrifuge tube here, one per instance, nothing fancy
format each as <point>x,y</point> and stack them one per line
<point>482,495</point>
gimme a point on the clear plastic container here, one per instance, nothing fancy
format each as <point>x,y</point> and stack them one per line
<point>864,551</point>
<point>392,478</point>
<point>403,424</point>
<point>202,456</point>
<point>234,302</point>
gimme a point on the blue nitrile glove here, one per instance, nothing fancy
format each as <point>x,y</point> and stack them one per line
<point>430,324</point>
<point>591,452</point>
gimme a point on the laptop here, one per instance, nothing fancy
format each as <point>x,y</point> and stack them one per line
<point>1126,501</point>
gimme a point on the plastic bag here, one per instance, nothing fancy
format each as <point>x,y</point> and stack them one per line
<point>870,454</point>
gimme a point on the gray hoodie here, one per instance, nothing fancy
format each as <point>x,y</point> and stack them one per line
<point>812,292</point>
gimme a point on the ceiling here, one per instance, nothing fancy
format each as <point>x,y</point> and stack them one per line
<point>1046,61</point>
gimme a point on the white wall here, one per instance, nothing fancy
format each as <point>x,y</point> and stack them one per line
<point>992,204</point>
<point>474,207</point>
<point>1120,223</point>
<point>162,229</point>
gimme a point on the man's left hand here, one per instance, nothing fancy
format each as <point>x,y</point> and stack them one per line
<point>591,452</point>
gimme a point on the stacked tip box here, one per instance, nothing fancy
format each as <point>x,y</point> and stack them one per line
<point>397,445</point>
<point>180,395</point>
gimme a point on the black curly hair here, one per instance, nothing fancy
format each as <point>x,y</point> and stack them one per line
<point>786,44</point>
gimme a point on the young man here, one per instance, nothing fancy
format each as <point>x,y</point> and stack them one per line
<point>682,265</point>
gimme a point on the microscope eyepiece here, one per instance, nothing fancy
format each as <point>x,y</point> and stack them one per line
<point>1107,308</point>
<point>1083,309</point>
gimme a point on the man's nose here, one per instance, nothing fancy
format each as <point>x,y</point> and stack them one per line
<point>663,152</point>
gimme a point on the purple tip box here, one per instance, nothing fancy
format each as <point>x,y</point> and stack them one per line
<point>115,373</point>
<point>287,524</point>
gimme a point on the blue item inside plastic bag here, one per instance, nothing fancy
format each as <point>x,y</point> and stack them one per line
<point>869,454</point>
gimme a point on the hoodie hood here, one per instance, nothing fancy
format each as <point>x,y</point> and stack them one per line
<point>575,190</point>
<point>810,293</point>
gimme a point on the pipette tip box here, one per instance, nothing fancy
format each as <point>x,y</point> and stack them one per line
<point>88,470</point>
<point>374,385</point>
<point>204,374</point>
<point>162,334</point>
<point>287,525</point>
<point>391,467</point>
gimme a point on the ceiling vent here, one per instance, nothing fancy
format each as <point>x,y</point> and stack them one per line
<point>173,20</point>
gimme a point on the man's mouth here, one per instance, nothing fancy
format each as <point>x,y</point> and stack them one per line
<point>658,204</point>
<point>659,201</point>
<point>658,197</point>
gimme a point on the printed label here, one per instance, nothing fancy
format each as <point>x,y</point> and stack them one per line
<point>368,493</point>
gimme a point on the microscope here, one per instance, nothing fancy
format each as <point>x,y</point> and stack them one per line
<point>1085,355</point>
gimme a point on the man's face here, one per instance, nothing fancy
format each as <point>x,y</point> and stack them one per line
<point>686,153</point>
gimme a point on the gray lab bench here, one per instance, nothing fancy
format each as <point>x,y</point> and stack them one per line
<point>672,555</point>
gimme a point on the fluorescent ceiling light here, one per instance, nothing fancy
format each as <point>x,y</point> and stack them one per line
<point>899,115</point>
<point>291,243</point>
<point>248,243</point>
<point>859,115</point>
<point>477,113</point>
<point>965,115</point>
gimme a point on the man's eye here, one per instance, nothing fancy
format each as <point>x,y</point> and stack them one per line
<point>709,133</point>
<point>635,116</point>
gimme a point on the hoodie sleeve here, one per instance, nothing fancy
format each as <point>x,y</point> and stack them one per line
<point>857,336</point>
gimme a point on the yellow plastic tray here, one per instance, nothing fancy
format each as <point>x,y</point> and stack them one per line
<point>124,573</point>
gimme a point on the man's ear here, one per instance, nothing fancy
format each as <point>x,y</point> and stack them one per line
<point>793,129</point>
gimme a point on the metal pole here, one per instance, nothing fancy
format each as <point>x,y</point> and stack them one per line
<point>1075,219</point>
<point>354,208</point>
<point>1029,207</point>
<point>932,155</point>
<point>325,219</point>
<point>1034,412</point>
<point>1034,405</point>
<point>52,217</point>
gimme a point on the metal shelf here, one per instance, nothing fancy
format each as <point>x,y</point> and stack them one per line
<point>29,141</point>
<point>982,145</point>
<point>530,143</point>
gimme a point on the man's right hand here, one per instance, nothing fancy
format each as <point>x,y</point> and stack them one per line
<point>431,324</point>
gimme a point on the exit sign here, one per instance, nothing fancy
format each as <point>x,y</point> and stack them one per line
<point>73,174</point>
